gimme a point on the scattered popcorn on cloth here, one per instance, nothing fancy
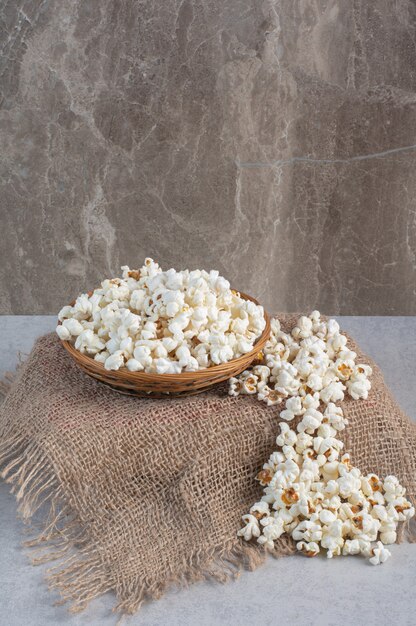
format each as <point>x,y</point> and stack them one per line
<point>138,494</point>
<point>162,322</point>
<point>311,490</point>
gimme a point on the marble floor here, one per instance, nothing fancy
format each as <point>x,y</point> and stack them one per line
<point>288,592</point>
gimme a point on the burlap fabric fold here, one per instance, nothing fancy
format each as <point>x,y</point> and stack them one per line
<point>138,494</point>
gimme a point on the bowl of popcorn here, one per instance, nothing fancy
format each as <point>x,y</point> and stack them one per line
<point>160,333</point>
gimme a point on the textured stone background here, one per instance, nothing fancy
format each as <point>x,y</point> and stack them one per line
<point>275,141</point>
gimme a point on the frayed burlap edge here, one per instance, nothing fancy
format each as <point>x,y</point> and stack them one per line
<point>6,383</point>
<point>80,575</point>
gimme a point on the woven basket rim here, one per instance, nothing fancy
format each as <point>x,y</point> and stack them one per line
<point>124,373</point>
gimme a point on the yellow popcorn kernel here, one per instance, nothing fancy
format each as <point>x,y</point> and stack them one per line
<point>134,274</point>
<point>264,476</point>
<point>290,496</point>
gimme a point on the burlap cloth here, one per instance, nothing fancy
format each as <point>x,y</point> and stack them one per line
<point>139,494</point>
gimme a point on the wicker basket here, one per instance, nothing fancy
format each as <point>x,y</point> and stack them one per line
<point>145,384</point>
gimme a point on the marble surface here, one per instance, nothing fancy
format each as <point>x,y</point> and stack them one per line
<point>291,592</point>
<point>273,140</point>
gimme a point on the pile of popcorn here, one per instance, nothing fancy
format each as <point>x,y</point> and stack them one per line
<point>311,489</point>
<point>164,322</point>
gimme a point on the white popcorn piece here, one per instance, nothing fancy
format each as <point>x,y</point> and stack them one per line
<point>270,396</point>
<point>332,328</point>
<point>351,546</point>
<point>311,421</point>
<point>114,361</point>
<point>334,416</point>
<point>260,509</point>
<point>63,332</point>
<point>388,536</point>
<point>251,528</point>
<point>88,342</point>
<point>262,372</point>
<point>303,328</point>
<point>249,385</point>
<point>327,516</point>
<point>287,436</point>
<point>221,354</point>
<point>358,386</point>
<point>380,554</point>
<point>309,549</point>
<point>308,530</point>
<point>272,530</point>
<point>65,312</point>
<point>82,307</point>
<point>134,366</point>
<point>293,408</point>
<point>235,387</point>
<point>101,357</point>
<point>142,354</point>
<point>348,484</point>
<point>73,326</point>
<point>334,392</point>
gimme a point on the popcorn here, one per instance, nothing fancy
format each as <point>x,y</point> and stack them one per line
<point>73,326</point>
<point>358,386</point>
<point>311,362</point>
<point>326,516</point>
<point>272,530</point>
<point>387,535</point>
<point>249,385</point>
<point>63,333</point>
<point>311,421</point>
<point>82,307</point>
<point>334,392</point>
<point>186,321</point>
<point>101,357</point>
<point>303,328</point>
<point>293,407</point>
<point>270,396</point>
<point>310,549</point>
<point>262,372</point>
<point>351,546</point>
<point>380,554</point>
<point>312,491</point>
<point>348,482</point>
<point>88,342</point>
<point>308,530</point>
<point>260,509</point>
<point>287,436</point>
<point>134,366</point>
<point>142,354</point>
<point>223,354</point>
<point>251,528</point>
<point>114,361</point>
<point>235,387</point>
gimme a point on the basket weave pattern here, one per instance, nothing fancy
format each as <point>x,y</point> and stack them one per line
<point>145,384</point>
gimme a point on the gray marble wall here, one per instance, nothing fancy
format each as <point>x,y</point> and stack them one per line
<point>274,141</point>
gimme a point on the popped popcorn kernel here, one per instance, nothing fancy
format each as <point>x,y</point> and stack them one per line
<point>264,477</point>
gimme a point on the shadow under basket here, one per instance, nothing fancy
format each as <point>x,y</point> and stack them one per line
<point>144,384</point>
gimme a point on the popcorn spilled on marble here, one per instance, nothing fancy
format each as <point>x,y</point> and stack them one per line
<point>311,489</point>
<point>164,322</point>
